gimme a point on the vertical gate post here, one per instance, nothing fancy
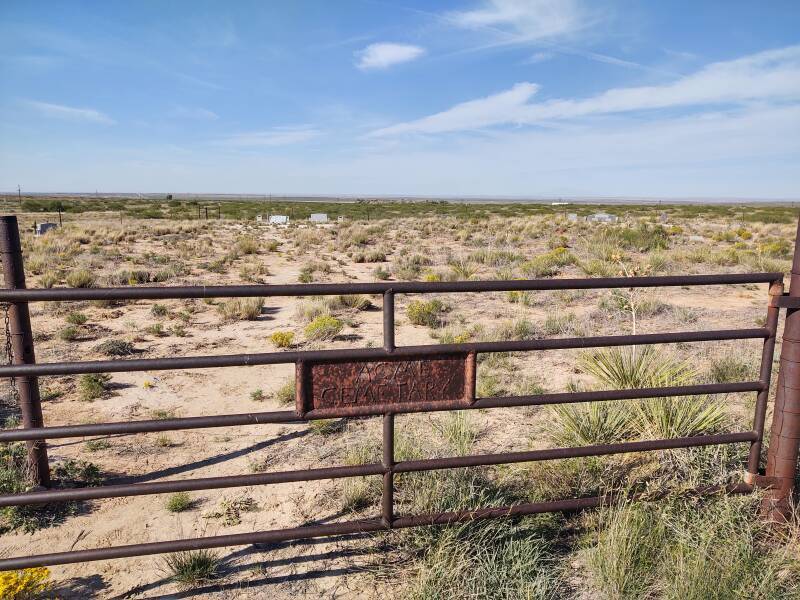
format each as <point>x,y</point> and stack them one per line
<point>785,436</point>
<point>22,346</point>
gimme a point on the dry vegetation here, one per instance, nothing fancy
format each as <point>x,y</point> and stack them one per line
<point>663,549</point>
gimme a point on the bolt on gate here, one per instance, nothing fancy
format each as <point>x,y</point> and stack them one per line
<point>388,381</point>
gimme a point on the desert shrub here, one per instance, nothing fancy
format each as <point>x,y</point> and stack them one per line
<point>49,279</point>
<point>463,269</point>
<point>381,274</point>
<point>69,333</point>
<point>257,395</point>
<point>729,368</point>
<point>306,275</point>
<point>115,348</point>
<point>272,245</point>
<point>77,318</point>
<point>597,267</point>
<point>360,492</point>
<point>80,278</point>
<point>411,266</point>
<point>285,394</point>
<point>193,567</point>
<point>97,445</point>
<point>324,327</point>
<point>679,417</point>
<point>241,309</point>
<point>430,313</point>
<point>517,329</point>
<point>548,264</point>
<point>247,245</point>
<point>563,323</point>
<point>282,339</point>
<point>356,301</point>
<point>372,256</point>
<point>644,237</point>
<point>523,297</point>
<point>179,502</point>
<point>156,329</point>
<point>776,248</point>
<point>682,549</point>
<point>92,386</point>
<point>179,330</point>
<point>24,584</point>
<point>159,310</point>
<point>254,272</point>
<point>326,427</point>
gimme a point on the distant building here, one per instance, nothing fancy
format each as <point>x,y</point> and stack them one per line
<point>42,228</point>
<point>318,218</point>
<point>278,220</point>
<point>573,217</point>
<point>602,217</point>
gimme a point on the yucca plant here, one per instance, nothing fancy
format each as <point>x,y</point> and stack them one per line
<point>635,367</point>
<point>591,423</point>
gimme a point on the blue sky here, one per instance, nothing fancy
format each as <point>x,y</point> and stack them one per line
<point>480,97</point>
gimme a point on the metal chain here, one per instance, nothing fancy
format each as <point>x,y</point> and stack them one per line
<point>10,353</point>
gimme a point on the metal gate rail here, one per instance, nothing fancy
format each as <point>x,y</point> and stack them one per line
<point>311,406</point>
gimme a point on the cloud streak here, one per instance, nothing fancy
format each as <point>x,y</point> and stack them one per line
<point>70,113</point>
<point>277,136</point>
<point>530,19</point>
<point>384,55</point>
<point>771,76</point>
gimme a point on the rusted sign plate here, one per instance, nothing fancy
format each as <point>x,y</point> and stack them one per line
<point>363,387</point>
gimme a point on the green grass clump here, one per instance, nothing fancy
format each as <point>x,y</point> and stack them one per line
<point>179,502</point>
<point>92,386</point>
<point>730,368</point>
<point>115,348</point>
<point>192,568</point>
<point>77,318</point>
<point>430,313</point>
<point>159,310</point>
<point>80,278</point>
<point>70,333</point>
<point>548,264</point>
<point>684,549</point>
<point>325,427</point>
<point>257,395</point>
<point>286,393</point>
<point>360,492</point>
<point>324,327</point>
<point>247,245</point>
<point>241,309</point>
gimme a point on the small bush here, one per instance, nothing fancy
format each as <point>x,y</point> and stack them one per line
<point>69,333</point>
<point>286,393</point>
<point>730,368</point>
<point>24,584</point>
<point>92,386</point>
<point>159,310</point>
<point>115,348</point>
<point>247,245</point>
<point>179,502</point>
<point>356,301</point>
<point>381,274</point>
<point>428,313</point>
<point>192,568</point>
<point>156,329</point>
<point>324,327</point>
<point>257,395</point>
<point>282,339</point>
<point>80,278</point>
<point>77,318</point>
<point>241,309</point>
<point>97,445</point>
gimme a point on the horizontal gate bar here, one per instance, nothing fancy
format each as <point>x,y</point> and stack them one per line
<point>300,533</point>
<point>189,485</point>
<point>289,416</point>
<point>141,489</point>
<point>576,452</point>
<point>273,358</point>
<point>398,287</point>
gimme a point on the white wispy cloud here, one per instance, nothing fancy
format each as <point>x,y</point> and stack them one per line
<point>385,54</point>
<point>539,57</point>
<point>773,75</point>
<point>531,19</point>
<point>196,113</point>
<point>277,136</point>
<point>70,113</point>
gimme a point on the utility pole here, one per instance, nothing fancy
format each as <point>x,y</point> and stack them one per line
<point>19,194</point>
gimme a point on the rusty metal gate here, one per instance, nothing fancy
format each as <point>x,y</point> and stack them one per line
<point>381,381</point>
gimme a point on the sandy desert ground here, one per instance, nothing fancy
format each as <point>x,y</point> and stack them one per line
<point>96,249</point>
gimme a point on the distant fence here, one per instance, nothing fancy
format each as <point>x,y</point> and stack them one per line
<point>388,381</point>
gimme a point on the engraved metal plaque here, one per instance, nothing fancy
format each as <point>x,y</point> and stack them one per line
<point>360,387</point>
